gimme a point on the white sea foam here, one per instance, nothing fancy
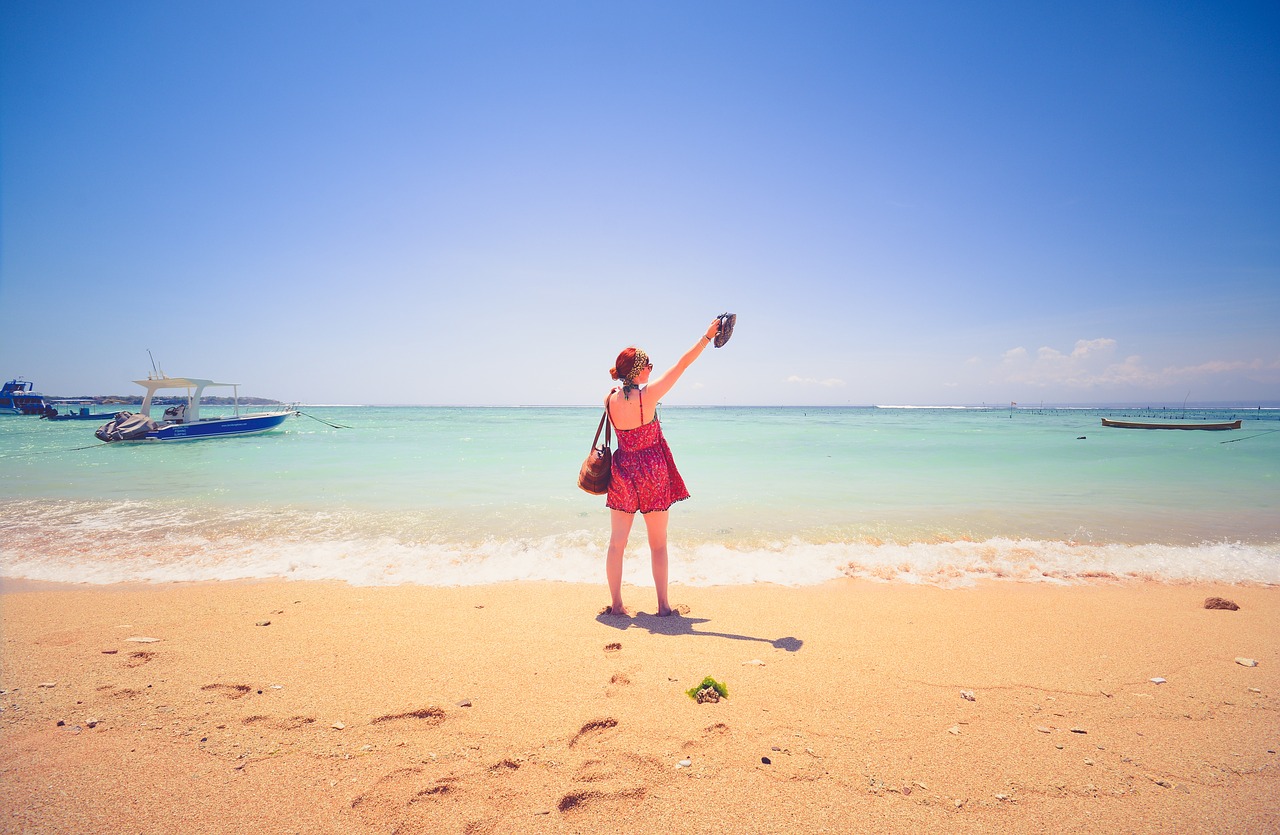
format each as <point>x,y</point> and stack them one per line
<point>177,555</point>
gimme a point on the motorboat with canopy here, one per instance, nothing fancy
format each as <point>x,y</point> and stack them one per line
<point>183,421</point>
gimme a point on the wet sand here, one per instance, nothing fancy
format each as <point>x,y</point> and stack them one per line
<point>307,707</point>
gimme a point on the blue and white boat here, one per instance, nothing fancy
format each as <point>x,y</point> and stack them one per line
<point>183,421</point>
<point>18,398</point>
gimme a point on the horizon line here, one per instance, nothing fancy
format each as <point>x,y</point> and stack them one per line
<point>1204,404</point>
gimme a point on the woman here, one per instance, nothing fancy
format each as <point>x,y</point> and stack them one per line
<point>643,475</point>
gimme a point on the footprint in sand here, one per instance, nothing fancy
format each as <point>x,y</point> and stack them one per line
<point>431,715</point>
<point>387,789</point>
<point>612,785</point>
<point>411,800</point>
<point>616,684</point>
<point>445,786</point>
<point>620,766</point>
<point>505,765</point>
<point>231,691</point>
<point>137,659</point>
<point>291,723</point>
<point>591,800</point>
<point>593,727</point>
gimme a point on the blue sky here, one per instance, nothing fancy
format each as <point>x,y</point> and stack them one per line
<point>926,203</point>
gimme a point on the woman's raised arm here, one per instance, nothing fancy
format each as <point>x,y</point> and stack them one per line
<point>662,384</point>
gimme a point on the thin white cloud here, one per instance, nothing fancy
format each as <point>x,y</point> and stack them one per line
<point>1088,347</point>
<point>1092,363</point>
<point>1256,368</point>
<point>830,382</point>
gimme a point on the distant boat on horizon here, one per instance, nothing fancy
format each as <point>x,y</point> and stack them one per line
<point>1135,424</point>
<point>77,412</point>
<point>18,397</point>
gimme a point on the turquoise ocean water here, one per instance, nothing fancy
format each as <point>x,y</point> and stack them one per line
<point>450,496</point>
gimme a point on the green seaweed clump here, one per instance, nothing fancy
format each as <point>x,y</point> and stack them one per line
<point>709,690</point>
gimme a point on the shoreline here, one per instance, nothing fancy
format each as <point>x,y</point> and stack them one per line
<point>506,707</point>
<point>1085,579</point>
<point>206,552</point>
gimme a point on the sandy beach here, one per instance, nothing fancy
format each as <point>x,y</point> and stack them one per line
<point>301,707</point>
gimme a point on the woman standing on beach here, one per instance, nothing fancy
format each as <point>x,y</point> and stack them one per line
<point>643,476</point>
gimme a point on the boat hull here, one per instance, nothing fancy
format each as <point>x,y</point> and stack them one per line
<point>1131,424</point>
<point>81,416</point>
<point>219,427</point>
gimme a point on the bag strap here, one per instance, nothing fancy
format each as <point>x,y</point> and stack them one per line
<point>607,426</point>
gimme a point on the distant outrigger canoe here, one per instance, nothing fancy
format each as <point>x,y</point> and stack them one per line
<point>1130,424</point>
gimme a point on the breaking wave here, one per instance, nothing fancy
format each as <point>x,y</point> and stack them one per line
<point>124,542</point>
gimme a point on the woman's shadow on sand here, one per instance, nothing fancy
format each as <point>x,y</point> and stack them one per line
<point>678,623</point>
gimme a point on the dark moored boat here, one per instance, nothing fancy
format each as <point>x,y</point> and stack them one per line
<point>1133,424</point>
<point>78,413</point>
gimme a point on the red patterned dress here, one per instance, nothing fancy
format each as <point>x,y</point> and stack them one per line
<point>643,474</point>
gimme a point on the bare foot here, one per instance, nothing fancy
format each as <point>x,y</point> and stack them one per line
<point>679,609</point>
<point>616,611</point>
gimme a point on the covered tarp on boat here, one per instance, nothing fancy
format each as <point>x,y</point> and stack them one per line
<point>126,426</point>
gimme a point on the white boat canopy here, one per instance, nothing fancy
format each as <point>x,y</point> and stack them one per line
<point>195,389</point>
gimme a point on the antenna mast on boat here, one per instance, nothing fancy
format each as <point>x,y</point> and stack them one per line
<point>156,373</point>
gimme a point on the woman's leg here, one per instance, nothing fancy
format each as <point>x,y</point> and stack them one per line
<point>620,530</point>
<point>656,524</point>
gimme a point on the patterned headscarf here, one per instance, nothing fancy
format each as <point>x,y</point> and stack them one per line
<point>640,364</point>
